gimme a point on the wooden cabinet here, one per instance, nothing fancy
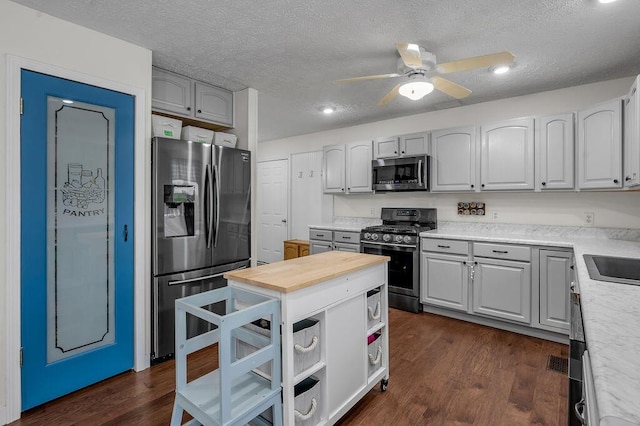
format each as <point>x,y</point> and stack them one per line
<point>402,146</point>
<point>347,168</point>
<point>555,282</point>
<point>453,159</point>
<point>181,96</point>
<point>507,155</point>
<point>600,146</point>
<point>631,136</point>
<point>554,152</point>
<point>295,248</point>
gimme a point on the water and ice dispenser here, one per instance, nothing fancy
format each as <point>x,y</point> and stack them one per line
<point>179,210</point>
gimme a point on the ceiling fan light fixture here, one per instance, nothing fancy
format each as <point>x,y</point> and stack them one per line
<point>416,89</point>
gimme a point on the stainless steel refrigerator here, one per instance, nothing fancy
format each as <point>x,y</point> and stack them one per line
<point>201,224</point>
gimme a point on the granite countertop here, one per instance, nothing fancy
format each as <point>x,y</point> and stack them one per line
<point>295,274</point>
<point>611,311</point>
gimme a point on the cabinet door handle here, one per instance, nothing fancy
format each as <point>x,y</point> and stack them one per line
<point>472,186</point>
<point>615,181</point>
<point>579,410</point>
<point>199,111</point>
<point>319,235</point>
<point>500,251</point>
<point>544,183</point>
<point>188,108</point>
<point>126,233</point>
<point>346,238</point>
<point>628,178</point>
<point>445,247</point>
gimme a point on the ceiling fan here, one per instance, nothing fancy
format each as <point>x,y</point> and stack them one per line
<point>419,67</point>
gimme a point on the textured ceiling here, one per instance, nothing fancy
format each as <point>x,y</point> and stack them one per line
<point>291,51</point>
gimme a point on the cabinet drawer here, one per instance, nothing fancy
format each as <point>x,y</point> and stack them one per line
<point>320,234</point>
<point>346,237</point>
<point>445,246</point>
<point>502,251</point>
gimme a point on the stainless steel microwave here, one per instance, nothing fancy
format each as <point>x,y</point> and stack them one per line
<point>401,174</point>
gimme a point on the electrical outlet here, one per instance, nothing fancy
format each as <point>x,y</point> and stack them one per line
<point>588,218</point>
<point>494,215</point>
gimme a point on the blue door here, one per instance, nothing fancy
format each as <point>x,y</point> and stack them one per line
<point>76,236</point>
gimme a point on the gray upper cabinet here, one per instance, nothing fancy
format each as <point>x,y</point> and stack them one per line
<point>555,147</point>
<point>213,104</point>
<point>600,146</point>
<point>333,166</point>
<point>181,96</point>
<point>358,167</point>
<point>402,146</point>
<point>632,137</point>
<point>386,147</point>
<point>507,155</point>
<point>453,159</point>
<point>171,93</point>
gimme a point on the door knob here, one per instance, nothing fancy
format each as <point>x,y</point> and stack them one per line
<point>284,220</point>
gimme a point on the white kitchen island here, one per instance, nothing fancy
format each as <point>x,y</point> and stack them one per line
<point>346,294</point>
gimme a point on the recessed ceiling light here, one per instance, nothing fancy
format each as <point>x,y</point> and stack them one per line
<point>500,69</point>
<point>67,101</point>
<point>329,110</point>
<point>606,1</point>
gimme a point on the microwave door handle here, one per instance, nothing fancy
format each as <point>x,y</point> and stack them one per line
<point>420,173</point>
<point>216,175</point>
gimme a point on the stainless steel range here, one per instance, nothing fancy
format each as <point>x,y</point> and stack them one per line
<point>398,237</point>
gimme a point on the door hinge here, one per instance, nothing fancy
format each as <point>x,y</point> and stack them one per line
<point>20,357</point>
<point>21,105</point>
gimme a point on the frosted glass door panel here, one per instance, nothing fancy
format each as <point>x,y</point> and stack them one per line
<point>80,223</point>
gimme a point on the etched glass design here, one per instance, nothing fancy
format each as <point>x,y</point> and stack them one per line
<point>80,224</point>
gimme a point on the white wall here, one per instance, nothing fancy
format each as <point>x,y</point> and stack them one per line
<point>611,209</point>
<point>35,36</point>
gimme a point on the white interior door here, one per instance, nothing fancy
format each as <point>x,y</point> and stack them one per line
<point>272,195</point>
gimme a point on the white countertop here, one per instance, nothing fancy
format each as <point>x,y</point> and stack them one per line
<point>611,311</point>
<point>348,224</point>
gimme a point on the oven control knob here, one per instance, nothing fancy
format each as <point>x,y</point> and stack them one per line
<point>407,239</point>
<point>367,235</point>
<point>398,238</point>
<point>374,237</point>
<point>386,238</point>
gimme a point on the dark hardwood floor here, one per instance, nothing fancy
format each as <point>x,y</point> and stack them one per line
<point>442,372</point>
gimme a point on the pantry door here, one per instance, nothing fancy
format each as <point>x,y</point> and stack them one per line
<point>76,235</point>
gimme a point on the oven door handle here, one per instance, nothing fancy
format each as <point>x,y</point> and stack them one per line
<point>390,246</point>
<point>420,173</point>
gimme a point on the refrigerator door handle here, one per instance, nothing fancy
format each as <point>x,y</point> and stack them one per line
<point>209,206</point>
<point>216,173</point>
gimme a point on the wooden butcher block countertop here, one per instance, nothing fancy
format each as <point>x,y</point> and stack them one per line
<point>295,274</point>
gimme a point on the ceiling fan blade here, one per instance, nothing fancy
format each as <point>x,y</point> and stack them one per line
<point>367,77</point>
<point>390,96</point>
<point>486,61</point>
<point>410,54</point>
<point>450,88</point>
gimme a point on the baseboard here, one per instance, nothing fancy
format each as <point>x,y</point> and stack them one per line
<point>502,325</point>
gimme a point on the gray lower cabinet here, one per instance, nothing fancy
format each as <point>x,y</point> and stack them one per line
<point>445,280</point>
<point>502,289</point>
<point>555,280</point>
<point>321,240</point>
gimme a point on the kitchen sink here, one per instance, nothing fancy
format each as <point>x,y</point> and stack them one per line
<point>623,270</point>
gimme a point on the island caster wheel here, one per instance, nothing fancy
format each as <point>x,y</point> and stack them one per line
<point>383,384</point>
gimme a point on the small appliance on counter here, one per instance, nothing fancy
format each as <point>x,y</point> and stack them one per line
<point>399,238</point>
